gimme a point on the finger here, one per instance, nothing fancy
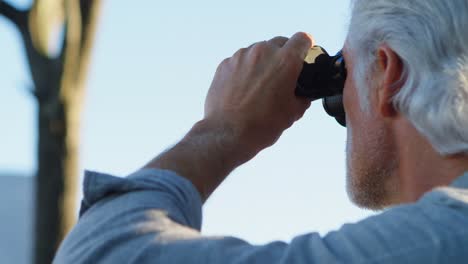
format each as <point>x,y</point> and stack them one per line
<point>256,43</point>
<point>299,44</point>
<point>302,105</point>
<point>278,41</point>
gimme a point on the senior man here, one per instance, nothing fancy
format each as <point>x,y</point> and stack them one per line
<point>406,102</point>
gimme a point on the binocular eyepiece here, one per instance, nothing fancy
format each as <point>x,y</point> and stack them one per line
<point>323,76</point>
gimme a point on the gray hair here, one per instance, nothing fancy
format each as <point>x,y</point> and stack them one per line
<point>431,39</point>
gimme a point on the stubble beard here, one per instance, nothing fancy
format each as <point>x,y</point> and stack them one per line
<point>370,180</point>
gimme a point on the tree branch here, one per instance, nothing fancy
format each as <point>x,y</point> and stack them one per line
<point>17,17</point>
<point>39,65</point>
<point>80,27</point>
<point>89,16</point>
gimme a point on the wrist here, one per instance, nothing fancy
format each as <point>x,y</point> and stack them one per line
<point>207,154</point>
<point>228,139</point>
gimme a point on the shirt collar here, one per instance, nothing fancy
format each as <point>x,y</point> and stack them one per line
<point>461,182</point>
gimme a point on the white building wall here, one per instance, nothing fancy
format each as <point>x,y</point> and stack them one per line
<point>16,219</point>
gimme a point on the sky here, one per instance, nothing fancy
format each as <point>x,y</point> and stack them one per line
<point>151,67</point>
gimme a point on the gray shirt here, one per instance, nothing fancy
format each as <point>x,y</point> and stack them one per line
<point>154,216</point>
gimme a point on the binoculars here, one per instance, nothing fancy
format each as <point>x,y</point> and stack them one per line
<point>323,76</point>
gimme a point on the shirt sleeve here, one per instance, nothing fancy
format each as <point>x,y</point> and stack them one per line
<point>154,216</point>
<point>172,193</point>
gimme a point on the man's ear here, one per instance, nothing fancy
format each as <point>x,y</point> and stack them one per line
<point>390,69</point>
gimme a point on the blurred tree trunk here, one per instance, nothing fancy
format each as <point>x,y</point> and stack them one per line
<point>58,86</point>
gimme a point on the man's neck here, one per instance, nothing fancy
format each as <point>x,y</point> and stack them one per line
<point>421,168</point>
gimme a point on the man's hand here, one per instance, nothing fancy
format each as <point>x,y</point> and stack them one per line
<point>253,91</point>
<point>250,103</point>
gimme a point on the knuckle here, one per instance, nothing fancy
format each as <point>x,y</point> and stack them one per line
<point>240,52</point>
<point>224,63</point>
<point>261,45</point>
<point>260,48</point>
<point>278,41</point>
